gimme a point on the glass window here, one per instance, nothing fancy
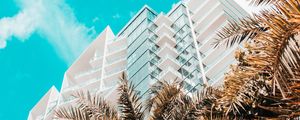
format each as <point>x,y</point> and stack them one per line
<point>145,14</point>
<point>136,66</point>
<point>177,12</point>
<point>137,31</point>
<point>135,52</point>
<point>140,74</point>
<point>143,84</point>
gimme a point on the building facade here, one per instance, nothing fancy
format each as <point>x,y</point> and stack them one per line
<point>153,46</point>
<point>43,110</point>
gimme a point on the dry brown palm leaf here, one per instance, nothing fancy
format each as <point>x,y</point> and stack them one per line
<point>205,102</point>
<point>95,106</point>
<point>237,32</point>
<point>162,98</point>
<point>184,110</point>
<point>285,56</point>
<point>241,86</point>
<point>281,111</point>
<point>273,55</point>
<point>263,2</point>
<point>71,113</point>
<point>236,100</point>
<point>129,101</point>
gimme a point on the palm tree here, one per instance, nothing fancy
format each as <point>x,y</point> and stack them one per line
<point>263,2</point>
<point>166,101</point>
<point>265,82</point>
<point>87,107</point>
<point>129,101</point>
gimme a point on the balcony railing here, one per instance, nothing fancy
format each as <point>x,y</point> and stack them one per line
<point>169,69</point>
<point>168,57</point>
<point>82,84</point>
<point>114,71</point>
<point>116,50</point>
<point>95,58</point>
<point>115,60</point>
<point>88,72</point>
<point>216,61</point>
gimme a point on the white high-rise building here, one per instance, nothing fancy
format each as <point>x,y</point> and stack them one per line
<point>152,46</point>
<point>43,110</point>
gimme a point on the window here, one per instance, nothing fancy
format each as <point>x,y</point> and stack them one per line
<point>183,72</point>
<point>154,47</point>
<point>181,59</point>
<point>153,37</point>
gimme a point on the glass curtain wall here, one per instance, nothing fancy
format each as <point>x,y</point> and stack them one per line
<point>141,54</point>
<point>190,68</point>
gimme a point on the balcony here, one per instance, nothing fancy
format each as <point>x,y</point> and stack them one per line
<point>217,80</point>
<point>170,74</point>
<point>115,70</point>
<point>93,73</point>
<point>207,43</point>
<point>114,49</point>
<point>216,54</point>
<point>96,61</point>
<point>218,66</point>
<point>209,17</point>
<point>191,77</point>
<point>111,78</point>
<point>206,29</point>
<point>168,61</point>
<point>192,68</point>
<point>164,29</point>
<point>189,85</point>
<point>162,19</point>
<point>167,50</point>
<point>116,41</point>
<point>194,5</point>
<point>115,60</point>
<point>88,85</point>
<point>209,8</point>
<point>165,39</point>
<point>118,50</point>
<point>111,66</point>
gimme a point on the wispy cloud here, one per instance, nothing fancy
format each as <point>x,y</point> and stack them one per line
<point>52,19</point>
<point>116,16</point>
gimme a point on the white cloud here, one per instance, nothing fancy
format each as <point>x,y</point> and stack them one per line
<point>52,19</point>
<point>116,16</point>
<point>19,26</point>
<point>2,44</point>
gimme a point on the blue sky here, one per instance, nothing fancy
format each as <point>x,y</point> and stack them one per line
<point>39,39</point>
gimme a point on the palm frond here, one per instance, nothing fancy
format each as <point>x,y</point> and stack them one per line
<point>285,54</point>
<point>262,2</point>
<point>162,101</point>
<point>185,109</point>
<point>154,90</point>
<point>267,72</point>
<point>71,113</point>
<point>237,32</point>
<point>129,101</point>
<point>95,106</point>
<point>205,102</point>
